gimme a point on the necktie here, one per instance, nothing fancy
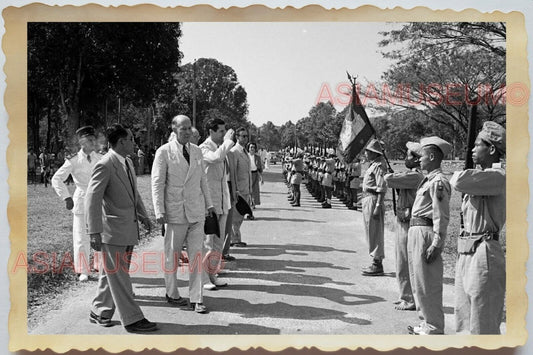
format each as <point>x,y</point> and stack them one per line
<point>186,154</point>
<point>130,178</point>
<point>89,157</point>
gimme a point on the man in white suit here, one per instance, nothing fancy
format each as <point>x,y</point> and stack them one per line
<point>243,183</point>
<point>113,206</point>
<point>180,195</point>
<point>80,166</point>
<point>215,149</point>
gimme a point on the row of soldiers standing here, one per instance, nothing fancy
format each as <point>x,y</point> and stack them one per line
<point>422,216</point>
<point>423,212</point>
<point>324,177</point>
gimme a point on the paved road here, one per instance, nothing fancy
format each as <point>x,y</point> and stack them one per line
<point>300,274</point>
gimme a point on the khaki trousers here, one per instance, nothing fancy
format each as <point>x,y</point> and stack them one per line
<point>402,262</point>
<point>426,279</point>
<point>480,289</point>
<point>114,286</point>
<point>374,227</point>
<point>175,235</point>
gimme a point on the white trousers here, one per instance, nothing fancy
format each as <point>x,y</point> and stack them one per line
<point>213,246</point>
<point>81,243</point>
<point>175,235</point>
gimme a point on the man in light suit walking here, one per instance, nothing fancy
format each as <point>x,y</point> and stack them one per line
<point>243,183</point>
<point>113,207</point>
<point>215,149</point>
<point>180,195</point>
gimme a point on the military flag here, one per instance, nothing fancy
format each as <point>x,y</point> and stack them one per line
<point>356,128</point>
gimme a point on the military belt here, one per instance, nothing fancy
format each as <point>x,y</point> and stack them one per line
<point>369,193</point>
<point>480,235</point>
<point>420,221</point>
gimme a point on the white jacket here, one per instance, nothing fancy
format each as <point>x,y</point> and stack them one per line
<point>179,190</point>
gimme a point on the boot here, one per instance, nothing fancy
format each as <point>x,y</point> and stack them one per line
<point>375,269</point>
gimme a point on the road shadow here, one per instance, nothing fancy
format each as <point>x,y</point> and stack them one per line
<point>290,220</point>
<point>449,310</point>
<point>154,282</point>
<point>284,265</point>
<point>269,176</point>
<point>332,294</point>
<point>231,328</point>
<point>290,247</point>
<point>280,310</point>
<point>285,277</point>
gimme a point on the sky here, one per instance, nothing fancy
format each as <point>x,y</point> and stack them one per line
<point>286,66</point>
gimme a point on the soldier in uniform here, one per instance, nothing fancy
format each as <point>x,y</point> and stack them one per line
<point>374,189</point>
<point>427,232</point>
<point>354,183</point>
<point>80,166</point>
<point>406,183</point>
<point>296,179</point>
<point>480,269</point>
<point>327,182</point>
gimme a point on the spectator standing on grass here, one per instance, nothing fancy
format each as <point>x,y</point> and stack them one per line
<point>256,167</point>
<point>80,167</point>
<point>181,197</point>
<point>215,149</point>
<point>140,156</point>
<point>243,183</point>
<point>32,165</point>
<point>427,233</point>
<point>480,269</point>
<point>405,184</point>
<point>374,189</point>
<point>195,136</point>
<point>113,207</point>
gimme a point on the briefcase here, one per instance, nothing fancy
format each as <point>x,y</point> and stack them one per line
<point>211,225</point>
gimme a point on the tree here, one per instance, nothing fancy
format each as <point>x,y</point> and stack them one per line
<point>270,137</point>
<point>445,68</point>
<point>84,64</point>
<point>218,91</point>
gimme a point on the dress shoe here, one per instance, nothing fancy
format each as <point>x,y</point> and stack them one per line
<point>199,307</point>
<point>103,321</point>
<point>353,208</point>
<point>177,301</point>
<point>228,257</point>
<point>295,204</point>
<point>416,330</point>
<point>209,287</point>
<point>373,270</point>
<point>143,325</point>
<point>240,244</point>
<point>326,205</point>
<point>218,283</point>
<point>83,278</point>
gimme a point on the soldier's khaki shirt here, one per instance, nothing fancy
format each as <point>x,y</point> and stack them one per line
<point>373,180</point>
<point>406,182</point>
<point>484,200</point>
<point>433,201</point>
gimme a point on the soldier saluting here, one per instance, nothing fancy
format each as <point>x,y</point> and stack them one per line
<point>480,269</point>
<point>427,232</point>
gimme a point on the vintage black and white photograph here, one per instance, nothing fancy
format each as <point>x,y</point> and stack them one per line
<point>266,178</point>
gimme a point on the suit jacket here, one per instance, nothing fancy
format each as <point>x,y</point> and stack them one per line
<point>179,190</point>
<point>216,169</point>
<point>241,163</point>
<point>112,207</point>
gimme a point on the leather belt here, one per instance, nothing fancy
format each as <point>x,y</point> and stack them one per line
<point>420,221</point>
<point>480,235</point>
<point>369,193</point>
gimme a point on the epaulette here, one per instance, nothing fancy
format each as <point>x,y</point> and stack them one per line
<point>70,156</point>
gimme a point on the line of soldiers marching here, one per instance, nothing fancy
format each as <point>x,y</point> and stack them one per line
<point>422,218</point>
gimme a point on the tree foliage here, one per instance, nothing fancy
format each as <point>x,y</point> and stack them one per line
<point>76,69</point>
<point>444,68</point>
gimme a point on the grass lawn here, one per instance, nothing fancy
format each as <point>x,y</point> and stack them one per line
<point>50,239</point>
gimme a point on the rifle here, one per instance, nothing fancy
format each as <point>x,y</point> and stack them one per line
<point>471,140</point>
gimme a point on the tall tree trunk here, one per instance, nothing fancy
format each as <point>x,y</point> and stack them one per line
<point>48,127</point>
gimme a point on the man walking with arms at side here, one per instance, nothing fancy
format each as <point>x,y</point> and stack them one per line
<point>374,189</point>
<point>480,269</point>
<point>215,149</point>
<point>180,195</point>
<point>427,232</point>
<point>113,206</point>
<point>243,183</point>
<point>406,183</point>
<point>80,166</point>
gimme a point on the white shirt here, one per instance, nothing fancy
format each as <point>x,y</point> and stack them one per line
<point>253,167</point>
